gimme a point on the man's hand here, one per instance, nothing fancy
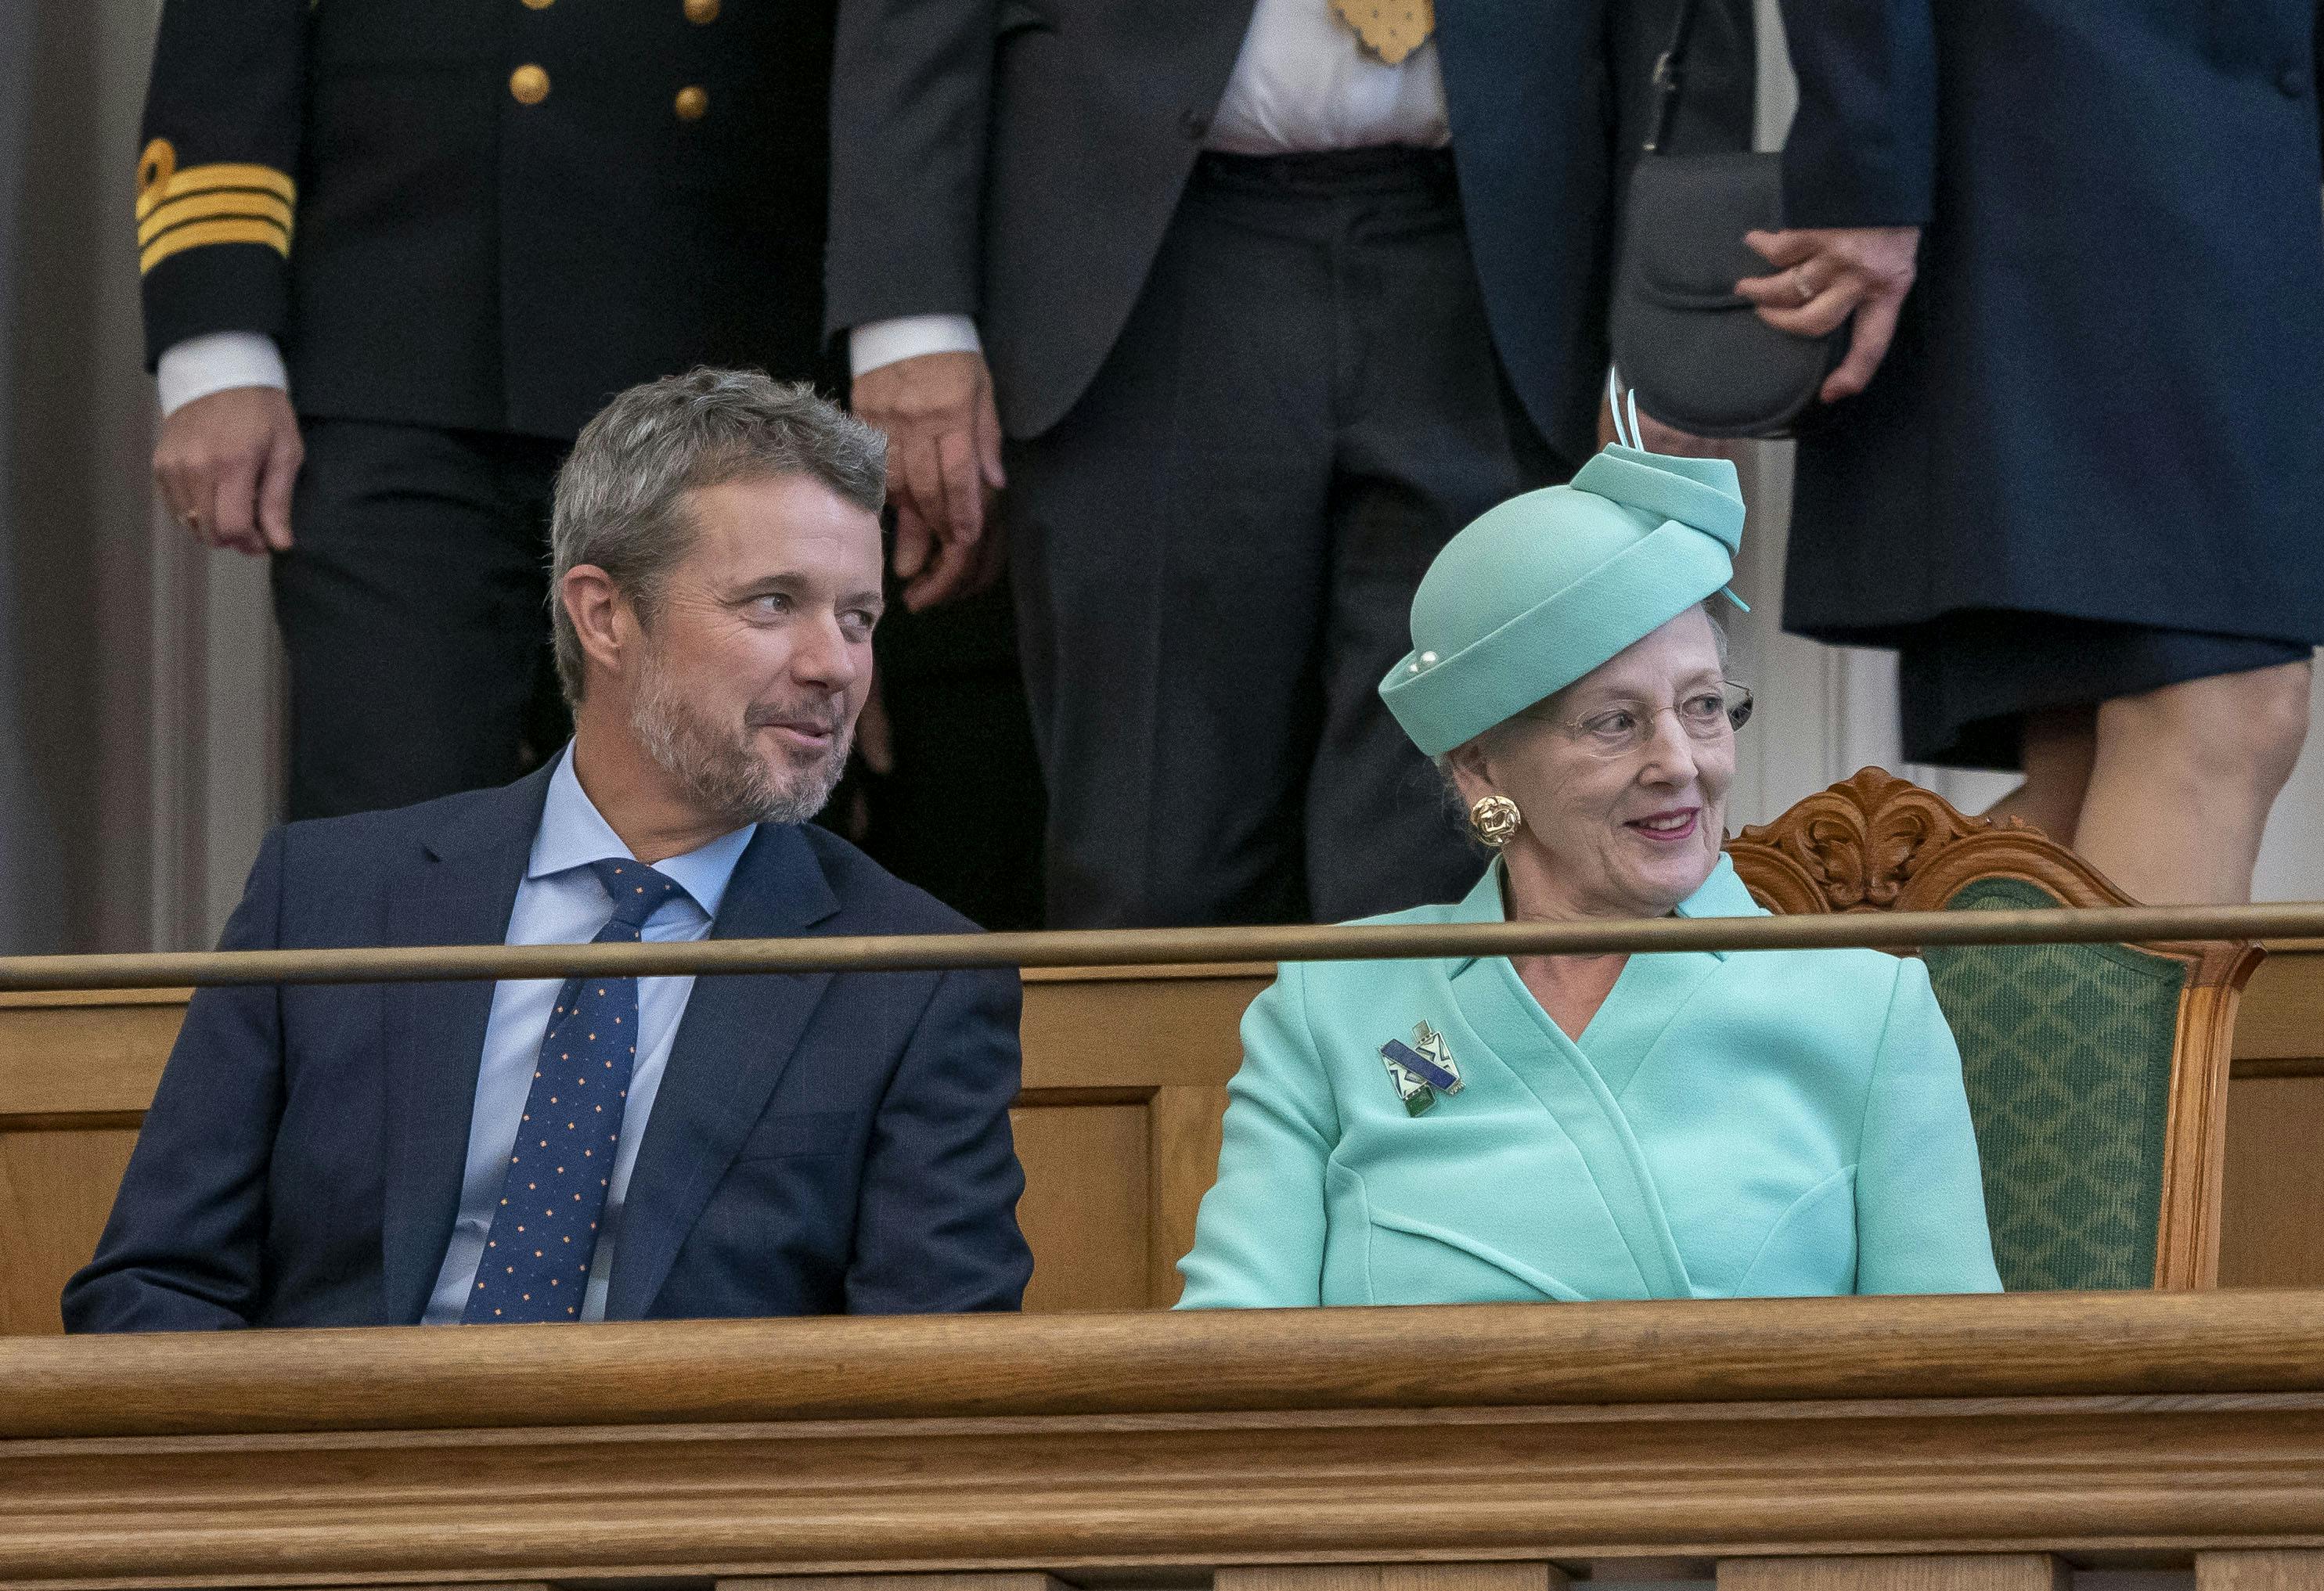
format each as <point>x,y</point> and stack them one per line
<point>944,464</point>
<point>1826,275</point>
<point>226,465</point>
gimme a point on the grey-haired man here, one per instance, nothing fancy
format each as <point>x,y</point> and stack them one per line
<point>612,1148</point>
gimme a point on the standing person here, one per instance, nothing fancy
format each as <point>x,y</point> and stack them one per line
<point>1276,297</point>
<point>2079,497</point>
<point>394,253</point>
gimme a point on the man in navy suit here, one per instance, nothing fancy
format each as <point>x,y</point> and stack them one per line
<point>606,1148</point>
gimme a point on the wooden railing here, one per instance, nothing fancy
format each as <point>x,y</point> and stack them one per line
<point>1930,1442</point>
<point>1125,1078</point>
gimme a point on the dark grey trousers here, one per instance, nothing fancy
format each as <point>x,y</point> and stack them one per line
<point>1215,550</point>
<point>413,604</point>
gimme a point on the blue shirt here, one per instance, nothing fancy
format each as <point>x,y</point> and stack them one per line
<point>560,902</point>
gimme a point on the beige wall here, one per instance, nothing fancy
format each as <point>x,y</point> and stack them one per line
<point>136,690</point>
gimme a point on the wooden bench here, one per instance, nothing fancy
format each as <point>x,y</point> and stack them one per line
<point>1125,1075</point>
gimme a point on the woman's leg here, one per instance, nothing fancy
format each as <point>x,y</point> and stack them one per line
<point>2182,780</point>
<point>2060,745</point>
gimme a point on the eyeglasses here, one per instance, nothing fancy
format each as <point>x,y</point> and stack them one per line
<point>1626,726</point>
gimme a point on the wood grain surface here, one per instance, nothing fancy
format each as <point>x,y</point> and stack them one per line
<point>2260,1572</point>
<point>2150,1344</point>
<point>1984,1571</point>
<point>2159,1425</point>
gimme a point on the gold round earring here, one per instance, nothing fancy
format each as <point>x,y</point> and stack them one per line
<point>1495,820</point>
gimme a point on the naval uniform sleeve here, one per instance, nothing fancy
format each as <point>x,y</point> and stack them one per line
<point>1259,1237</point>
<point>1920,1191</point>
<point>217,202</point>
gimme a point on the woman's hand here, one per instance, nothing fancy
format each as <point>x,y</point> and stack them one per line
<point>1825,275</point>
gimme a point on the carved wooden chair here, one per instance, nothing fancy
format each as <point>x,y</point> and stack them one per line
<point>2096,1073</point>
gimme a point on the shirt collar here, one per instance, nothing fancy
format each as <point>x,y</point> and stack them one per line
<point>1722,895</point>
<point>574,833</point>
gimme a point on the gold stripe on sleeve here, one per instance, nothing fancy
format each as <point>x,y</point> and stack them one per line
<point>165,186</point>
<point>200,234</point>
<point>203,206</point>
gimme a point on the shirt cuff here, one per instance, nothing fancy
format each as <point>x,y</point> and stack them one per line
<point>213,362</point>
<point>907,336</point>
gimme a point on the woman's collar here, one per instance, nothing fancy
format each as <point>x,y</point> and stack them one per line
<point>1722,895</point>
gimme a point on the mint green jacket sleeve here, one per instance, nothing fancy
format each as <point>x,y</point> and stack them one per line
<point>1920,1196</point>
<point>1259,1237</point>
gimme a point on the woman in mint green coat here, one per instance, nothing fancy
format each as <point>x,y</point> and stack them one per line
<point>1699,1126</point>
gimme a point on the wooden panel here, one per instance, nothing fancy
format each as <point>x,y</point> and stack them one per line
<point>2282,1014</point>
<point>63,1054</point>
<point>1085,1210</point>
<point>1143,1055</point>
<point>2273,1232</point>
<point>1185,1162</point>
<point>2012,1571</point>
<point>2259,1572</point>
<point>1158,1026</point>
<point>1003,1582</point>
<point>1126,1449</point>
<point>55,1188</point>
<point>1392,1577</point>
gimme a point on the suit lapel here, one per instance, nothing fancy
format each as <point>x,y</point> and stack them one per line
<point>458,891</point>
<point>737,1036</point>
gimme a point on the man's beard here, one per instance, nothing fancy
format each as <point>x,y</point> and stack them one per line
<point>721,769</point>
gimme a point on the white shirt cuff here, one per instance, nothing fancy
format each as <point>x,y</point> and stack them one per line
<point>213,362</point>
<point>907,336</point>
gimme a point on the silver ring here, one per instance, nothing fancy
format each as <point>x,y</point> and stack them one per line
<point>1800,284</point>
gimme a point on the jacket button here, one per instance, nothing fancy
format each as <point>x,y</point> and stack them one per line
<point>2293,81</point>
<point>528,85</point>
<point>540,4</point>
<point>702,11</point>
<point>692,102</point>
<point>1195,124</point>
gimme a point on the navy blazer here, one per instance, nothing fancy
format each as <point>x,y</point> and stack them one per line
<point>2103,397</point>
<point>822,1143</point>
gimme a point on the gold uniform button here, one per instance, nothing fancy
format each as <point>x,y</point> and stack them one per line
<point>692,102</point>
<point>529,83</point>
<point>702,11</point>
<point>540,4</point>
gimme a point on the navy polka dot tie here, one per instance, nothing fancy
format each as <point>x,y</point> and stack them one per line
<point>536,1264</point>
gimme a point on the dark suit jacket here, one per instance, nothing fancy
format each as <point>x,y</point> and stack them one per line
<point>2103,397</point>
<point>359,182</point>
<point>820,1144</point>
<point>1018,160</point>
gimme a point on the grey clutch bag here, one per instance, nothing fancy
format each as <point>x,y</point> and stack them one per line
<point>1695,353</point>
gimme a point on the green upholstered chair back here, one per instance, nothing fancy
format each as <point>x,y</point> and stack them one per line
<point>2066,1050</point>
<point>2097,1074</point>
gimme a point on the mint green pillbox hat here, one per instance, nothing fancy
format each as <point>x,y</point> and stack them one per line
<point>1539,590</point>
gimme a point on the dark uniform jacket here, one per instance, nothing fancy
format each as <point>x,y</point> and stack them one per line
<point>1019,161</point>
<point>488,213</point>
<point>2105,398</point>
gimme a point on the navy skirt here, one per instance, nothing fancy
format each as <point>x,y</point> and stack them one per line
<point>1967,680</point>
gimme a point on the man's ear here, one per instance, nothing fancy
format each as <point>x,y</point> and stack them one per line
<point>601,615</point>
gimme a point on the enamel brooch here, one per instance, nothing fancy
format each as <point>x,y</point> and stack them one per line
<point>1421,1070</point>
